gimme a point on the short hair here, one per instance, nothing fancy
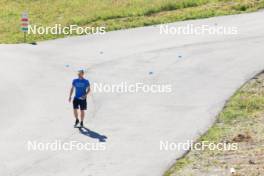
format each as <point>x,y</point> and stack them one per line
<point>81,71</point>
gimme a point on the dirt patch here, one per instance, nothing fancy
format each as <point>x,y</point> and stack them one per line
<point>242,138</point>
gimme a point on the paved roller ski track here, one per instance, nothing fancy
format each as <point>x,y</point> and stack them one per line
<point>204,71</point>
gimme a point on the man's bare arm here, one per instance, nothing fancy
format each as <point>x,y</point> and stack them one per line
<point>71,92</point>
<point>88,91</point>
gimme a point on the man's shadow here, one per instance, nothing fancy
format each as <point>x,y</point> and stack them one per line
<point>85,131</point>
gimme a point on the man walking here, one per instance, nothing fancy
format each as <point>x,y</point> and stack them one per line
<point>82,88</point>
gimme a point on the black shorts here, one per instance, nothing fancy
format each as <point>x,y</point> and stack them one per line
<point>78,103</point>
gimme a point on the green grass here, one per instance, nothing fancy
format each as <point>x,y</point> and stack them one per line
<point>246,103</point>
<point>239,115</point>
<point>181,163</point>
<point>113,14</point>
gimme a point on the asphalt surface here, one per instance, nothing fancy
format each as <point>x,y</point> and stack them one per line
<point>203,71</point>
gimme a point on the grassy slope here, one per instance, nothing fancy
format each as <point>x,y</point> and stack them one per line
<point>241,121</point>
<point>114,14</point>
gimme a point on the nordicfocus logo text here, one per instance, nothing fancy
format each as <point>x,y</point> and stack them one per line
<point>58,145</point>
<point>191,29</point>
<point>125,87</point>
<point>190,145</point>
<point>58,29</point>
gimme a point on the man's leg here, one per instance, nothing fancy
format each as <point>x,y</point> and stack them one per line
<point>75,111</point>
<point>83,107</point>
<point>82,116</point>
